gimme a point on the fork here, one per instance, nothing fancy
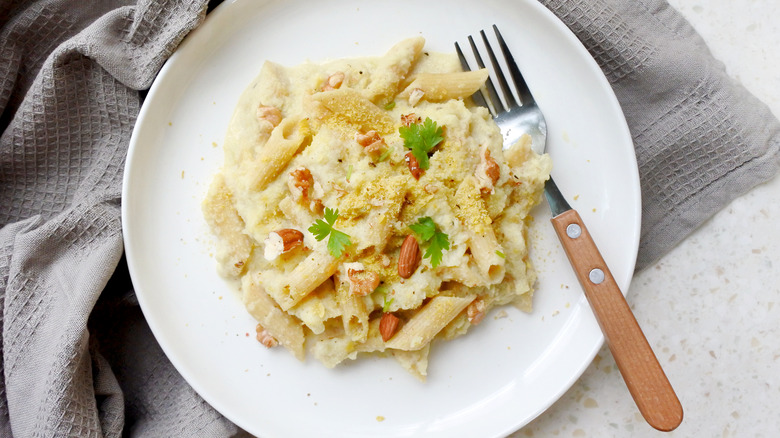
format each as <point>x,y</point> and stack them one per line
<point>644,377</point>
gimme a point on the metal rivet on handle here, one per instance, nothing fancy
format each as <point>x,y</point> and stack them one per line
<point>596,276</point>
<point>574,231</point>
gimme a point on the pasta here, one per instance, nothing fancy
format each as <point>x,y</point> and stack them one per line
<point>368,207</point>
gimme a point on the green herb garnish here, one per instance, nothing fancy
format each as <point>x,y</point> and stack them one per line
<point>427,230</point>
<point>385,155</point>
<point>338,240</point>
<point>421,138</point>
<point>386,305</point>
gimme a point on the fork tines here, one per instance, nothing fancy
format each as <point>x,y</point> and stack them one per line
<point>492,101</point>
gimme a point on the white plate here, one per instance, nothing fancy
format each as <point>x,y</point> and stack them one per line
<point>503,373</point>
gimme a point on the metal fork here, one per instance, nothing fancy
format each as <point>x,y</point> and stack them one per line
<point>646,381</point>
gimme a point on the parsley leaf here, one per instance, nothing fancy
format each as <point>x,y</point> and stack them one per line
<point>421,138</point>
<point>338,240</point>
<point>425,228</point>
<point>439,242</point>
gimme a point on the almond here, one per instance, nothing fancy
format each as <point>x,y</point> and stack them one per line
<point>388,326</point>
<point>476,311</point>
<point>279,242</point>
<point>414,165</point>
<point>269,114</point>
<point>334,81</point>
<point>409,119</point>
<point>368,138</point>
<point>361,282</point>
<point>409,258</point>
<point>373,144</point>
<point>265,338</point>
<point>300,183</point>
<point>491,168</point>
<point>290,238</point>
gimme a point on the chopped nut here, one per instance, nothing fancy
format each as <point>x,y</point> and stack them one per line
<point>476,311</point>
<point>334,81</point>
<point>374,145</point>
<point>491,168</point>
<point>430,188</point>
<point>410,119</point>
<point>415,96</point>
<point>388,326</point>
<point>280,242</point>
<point>367,138</point>
<point>362,282</point>
<point>487,172</point>
<point>300,183</point>
<point>265,338</point>
<point>291,238</point>
<point>414,165</point>
<point>269,114</point>
<point>409,257</point>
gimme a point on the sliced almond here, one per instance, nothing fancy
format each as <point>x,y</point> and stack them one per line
<point>388,325</point>
<point>409,258</point>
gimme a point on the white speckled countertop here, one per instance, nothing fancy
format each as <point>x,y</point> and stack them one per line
<point>710,307</point>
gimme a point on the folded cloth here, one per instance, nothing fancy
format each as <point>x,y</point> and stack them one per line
<point>78,358</point>
<point>701,140</point>
<point>70,71</point>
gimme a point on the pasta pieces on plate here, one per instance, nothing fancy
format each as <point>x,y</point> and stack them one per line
<point>367,206</point>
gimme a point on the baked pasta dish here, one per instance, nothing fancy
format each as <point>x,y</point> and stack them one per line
<point>366,205</point>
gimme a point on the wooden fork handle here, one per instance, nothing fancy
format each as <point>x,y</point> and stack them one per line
<point>651,390</point>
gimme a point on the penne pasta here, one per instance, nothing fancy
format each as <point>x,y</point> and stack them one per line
<point>428,322</point>
<point>277,152</point>
<point>303,279</point>
<point>392,69</point>
<point>354,314</point>
<point>350,107</point>
<point>283,327</point>
<point>363,211</point>
<point>233,246</point>
<point>415,362</point>
<point>317,307</point>
<point>485,249</point>
<point>438,87</point>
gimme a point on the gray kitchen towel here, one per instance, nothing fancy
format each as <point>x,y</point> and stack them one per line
<point>78,358</point>
<point>70,71</point>
<point>701,140</point>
